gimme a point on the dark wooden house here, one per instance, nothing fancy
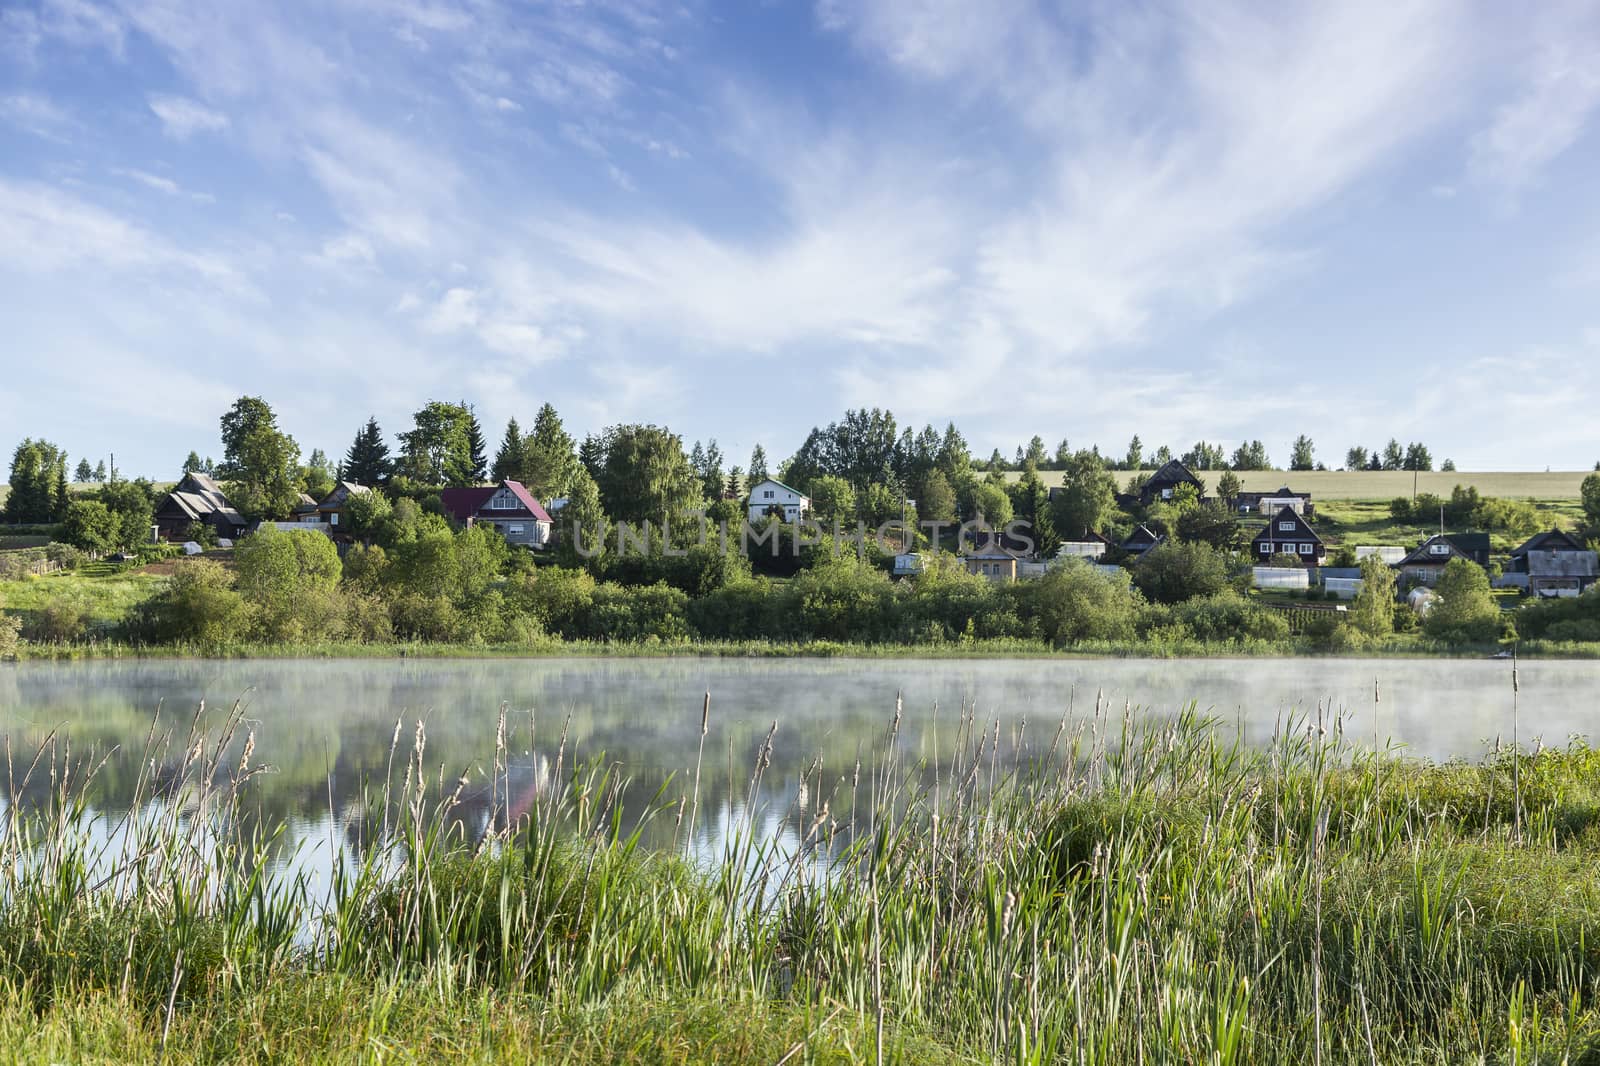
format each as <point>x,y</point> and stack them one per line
<point>1140,541</point>
<point>1552,564</point>
<point>1160,486</point>
<point>197,499</point>
<point>1288,533</point>
<point>1424,565</point>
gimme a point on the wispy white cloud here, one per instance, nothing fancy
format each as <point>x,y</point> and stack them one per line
<point>1544,121</point>
<point>182,117</point>
<point>38,115</point>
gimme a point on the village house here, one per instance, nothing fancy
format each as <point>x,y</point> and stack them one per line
<point>1551,564</point>
<point>1161,486</point>
<point>1140,541</point>
<point>774,498</point>
<point>1289,534</point>
<point>331,508</point>
<point>1088,545</point>
<point>1424,565</point>
<point>1273,502</point>
<point>993,560</point>
<point>197,498</point>
<point>508,507</point>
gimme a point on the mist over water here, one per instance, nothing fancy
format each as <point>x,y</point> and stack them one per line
<point>325,727</point>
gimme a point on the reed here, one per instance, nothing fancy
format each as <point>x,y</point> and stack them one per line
<point>1120,890</point>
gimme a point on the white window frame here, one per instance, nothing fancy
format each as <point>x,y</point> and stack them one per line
<point>1266,547</point>
<point>1438,549</point>
<point>503,501</point>
<point>1286,526</point>
<point>768,494</point>
<point>514,528</point>
<point>1305,549</point>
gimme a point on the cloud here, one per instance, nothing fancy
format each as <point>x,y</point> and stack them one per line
<point>1545,120</point>
<point>181,118</point>
<point>37,115</point>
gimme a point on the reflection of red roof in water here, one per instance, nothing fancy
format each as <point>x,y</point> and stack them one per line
<point>465,503</point>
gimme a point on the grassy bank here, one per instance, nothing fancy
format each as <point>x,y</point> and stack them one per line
<point>1094,893</point>
<point>1396,648</point>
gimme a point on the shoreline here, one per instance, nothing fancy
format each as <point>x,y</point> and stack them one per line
<point>995,650</point>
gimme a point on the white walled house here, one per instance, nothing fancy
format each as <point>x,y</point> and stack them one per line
<point>774,497</point>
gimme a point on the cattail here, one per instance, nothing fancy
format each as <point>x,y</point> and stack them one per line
<point>249,749</point>
<point>1007,914</point>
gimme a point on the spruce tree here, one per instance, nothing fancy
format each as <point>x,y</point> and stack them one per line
<point>508,460</point>
<point>477,447</point>
<point>548,459</point>
<point>758,465</point>
<point>367,462</point>
<point>100,471</point>
<point>84,473</point>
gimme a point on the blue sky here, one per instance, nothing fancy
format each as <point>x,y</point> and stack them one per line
<point>1354,220</point>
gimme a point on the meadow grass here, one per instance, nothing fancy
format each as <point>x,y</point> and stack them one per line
<point>104,598</point>
<point>1094,891</point>
<point>1385,485</point>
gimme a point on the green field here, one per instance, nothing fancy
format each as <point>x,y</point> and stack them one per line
<point>1387,484</point>
<point>102,599</point>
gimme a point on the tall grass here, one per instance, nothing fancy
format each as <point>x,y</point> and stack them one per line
<point>1100,889</point>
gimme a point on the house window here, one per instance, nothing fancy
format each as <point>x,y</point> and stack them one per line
<point>1439,549</point>
<point>768,494</point>
<point>1166,494</point>
<point>515,528</point>
<point>1266,547</point>
<point>1286,526</point>
<point>503,502</point>
<point>1305,549</point>
<point>333,519</point>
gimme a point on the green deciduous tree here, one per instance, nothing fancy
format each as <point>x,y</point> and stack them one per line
<point>84,473</point>
<point>1372,611</point>
<point>438,449</point>
<point>1135,457</point>
<point>90,525</point>
<point>936,499</point>
<point>832,499</point>
<point>1463,609</point>
<point>1087,497</point>
<point>582,528</point>
<point>260,463</point>
<point>290,577</point>
<point>991,503</point>
<point>1251,455</point>
<point>1074,602</point>
<point>1355,458</point>
<point>1417,457</point>
<point>1590,492</point>
<point>1229,487</point>
<point>1303,455</point>
<point>758,464</point>
<point>1393,457</point>
<point>199,605</point>
<point>38,483</point>
<point>644,475</point>
<point>318,475</point>
<point>1174,571</point>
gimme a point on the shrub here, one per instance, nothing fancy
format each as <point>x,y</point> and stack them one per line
<point>1172,572</point>
<point>199,605</point>
<point>1074,602</point>
<point>58,622</point>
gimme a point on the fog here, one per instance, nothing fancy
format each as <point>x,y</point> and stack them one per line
<point>325,727</point>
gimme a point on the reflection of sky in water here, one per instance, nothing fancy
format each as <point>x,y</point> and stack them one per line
<point>325,726</point>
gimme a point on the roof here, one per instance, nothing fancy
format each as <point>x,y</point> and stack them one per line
<point>465,503</point>
<point>1422,554</point>
<point>1174,472</point>
<point>1563,564</point>
<point>349,488</point>
<point>1142,535</point>
<point>781,485</point>
<point>1550,540</point>
<point>1088,536</point>
<point>993,549</point>
<point>520,491</point>
<point>1286,513</point>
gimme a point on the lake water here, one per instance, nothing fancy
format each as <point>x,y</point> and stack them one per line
<point>325,727</point>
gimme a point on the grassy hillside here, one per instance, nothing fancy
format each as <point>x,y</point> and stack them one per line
<point>1387,484</point>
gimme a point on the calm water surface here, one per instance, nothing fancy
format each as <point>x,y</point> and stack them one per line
<point>325,727</point>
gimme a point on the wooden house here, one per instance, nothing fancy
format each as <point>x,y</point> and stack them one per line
<point>1553,564</point>
<point>1161,486</point>
<point>1424,565</point>
<point>1288,533</point>
<point>1140,541</point>
<point>331,508</point>
<point>197,498</point>
<point>994,560</point>
<point>1273,502</point>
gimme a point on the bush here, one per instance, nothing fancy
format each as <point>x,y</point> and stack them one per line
<point>1074,602</point>
<point>199,606</point>
<point>58,622</point>
<point>1172,572</point>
